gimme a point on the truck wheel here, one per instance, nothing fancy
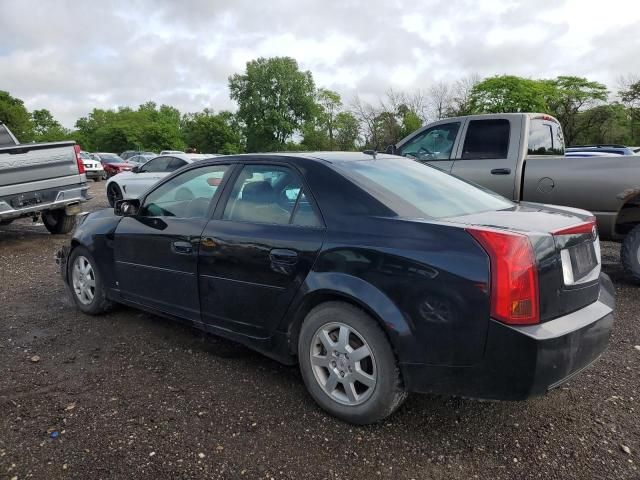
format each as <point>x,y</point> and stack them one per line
<point>348,365</point>
<point>97,179</point>
<point>630,253</point>
<point>113,194</point>
<point>6,222</point>
<point>57,222</point>
<point>85,283</point>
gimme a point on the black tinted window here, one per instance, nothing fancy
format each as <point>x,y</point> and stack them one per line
<point>175,164</point>
<point>545,138</point>
<point>159,164</point>
<point>486,139</point>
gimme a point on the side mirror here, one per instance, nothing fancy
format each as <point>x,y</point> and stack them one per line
<point>136,169</point>
<point>127,208</point>
<point>391,150</point>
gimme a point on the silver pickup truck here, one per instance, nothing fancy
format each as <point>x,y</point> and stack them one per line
<point>44,179</point>
<point>521,156</point>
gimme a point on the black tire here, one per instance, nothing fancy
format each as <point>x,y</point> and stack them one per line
<point>630,254</point>
<point>6,222</point>
<point>57,222</point>
<point>100,304</point>
<point>113,194</point>
<point>97,179</point>
<point>388,392</point>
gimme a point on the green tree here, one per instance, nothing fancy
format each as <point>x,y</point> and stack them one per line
<point>14,114</point>
<point>568,96</point>
<point>630,96</point>
<point>319,130</point>
<point>347,131</point>
<point>46,128</point>
<point>274,99</point>
<point>508,93</point>
<point>604,124</point>
<point>211,133</point>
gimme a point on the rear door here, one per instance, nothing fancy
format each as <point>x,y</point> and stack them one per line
<point>258,249</point>
<point>435,145</point>
<point>489,154</point>
<point>156,252</point>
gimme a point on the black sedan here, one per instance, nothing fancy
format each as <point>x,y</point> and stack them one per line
<point>377,274</point>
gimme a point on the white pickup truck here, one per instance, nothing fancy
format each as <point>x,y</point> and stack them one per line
<point>46,179</point>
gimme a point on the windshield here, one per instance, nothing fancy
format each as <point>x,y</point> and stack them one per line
<point>407,186</point>
<point>85,156</point>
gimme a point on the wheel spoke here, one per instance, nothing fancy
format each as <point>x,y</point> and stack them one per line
<point>350,390</point>
<point>90,282</point>
<point>324,337</point>
<point>360,353</point>
<point>343,338</point>
<point>332,382</point>
<point>320,360</point>
<point>364,378</point>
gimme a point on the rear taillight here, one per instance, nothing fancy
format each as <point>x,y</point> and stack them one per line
<point>514,276</point>
<point>588,226</point>
<point>79,159</point>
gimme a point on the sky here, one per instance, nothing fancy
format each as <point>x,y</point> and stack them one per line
<point>72,56</point>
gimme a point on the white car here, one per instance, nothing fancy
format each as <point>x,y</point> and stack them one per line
<point>134,183</point>
<point>92,167</point>
<point>171,152</point>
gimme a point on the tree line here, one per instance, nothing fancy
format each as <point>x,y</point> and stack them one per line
<point>279,107</point>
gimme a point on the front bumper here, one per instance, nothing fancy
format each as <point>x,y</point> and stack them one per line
<point>521,362</point>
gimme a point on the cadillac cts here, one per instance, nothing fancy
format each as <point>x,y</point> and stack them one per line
<point>378,275</point>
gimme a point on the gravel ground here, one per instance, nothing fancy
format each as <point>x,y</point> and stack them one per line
<point>131,395</point>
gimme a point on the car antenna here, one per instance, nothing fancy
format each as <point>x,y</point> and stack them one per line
<point>370,152</point>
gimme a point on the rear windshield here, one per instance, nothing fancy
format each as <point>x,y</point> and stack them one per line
<point>110,157</point>
<point>410,188</point>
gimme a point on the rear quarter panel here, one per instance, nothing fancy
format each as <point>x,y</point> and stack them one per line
<point>427,284</point>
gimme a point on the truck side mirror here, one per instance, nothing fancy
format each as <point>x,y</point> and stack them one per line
<point>136,169</point>
<point>391,150</point>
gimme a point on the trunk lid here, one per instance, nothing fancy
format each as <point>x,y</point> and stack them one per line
<point>566,248</point>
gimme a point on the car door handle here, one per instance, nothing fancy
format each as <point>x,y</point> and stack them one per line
<point>183,248</point>
<point>283,256</point>
<point>501,171</point>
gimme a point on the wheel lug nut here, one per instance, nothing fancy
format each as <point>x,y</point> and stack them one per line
<point>342,374</point>
<point>333,364</point>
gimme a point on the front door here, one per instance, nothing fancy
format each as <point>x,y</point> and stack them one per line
<point>489,155</point>
<point>257,250</point>
<point>156,252</point>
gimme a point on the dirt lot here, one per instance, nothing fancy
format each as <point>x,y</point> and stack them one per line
<point>130,395</point>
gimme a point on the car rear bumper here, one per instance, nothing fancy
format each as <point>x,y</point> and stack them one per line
<point>526,361</point>
<point>51,199</point>
<point>94,173</point>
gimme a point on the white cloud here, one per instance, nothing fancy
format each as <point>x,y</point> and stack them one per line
<point>70,56</point>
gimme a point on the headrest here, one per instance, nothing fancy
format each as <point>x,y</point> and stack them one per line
<point>259,192</point>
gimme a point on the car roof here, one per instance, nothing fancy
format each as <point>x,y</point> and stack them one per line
<point>189,157</point>
<point>326,157</point>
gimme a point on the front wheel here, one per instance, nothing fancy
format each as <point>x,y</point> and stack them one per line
<point>630,254</point>
<point>86,283</point>
<point>58,222</point>
<point>348,365</point>
<point>113,194</point>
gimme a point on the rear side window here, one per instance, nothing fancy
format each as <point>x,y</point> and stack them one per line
<point>486,139</point>
<point>545,138</point>
<point>175,164</point>
<point>159,164</point>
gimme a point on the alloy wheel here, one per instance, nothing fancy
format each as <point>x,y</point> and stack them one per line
<point>343,363</point>
<point>84,280</point>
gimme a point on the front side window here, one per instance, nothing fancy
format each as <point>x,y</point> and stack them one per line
<point>156,165</point>
<point>435,143</point>
<point>270,194</point>
<point>185,196</point>
<point>486,139</point>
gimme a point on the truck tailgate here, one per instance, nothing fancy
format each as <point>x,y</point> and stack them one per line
<point>36,162</point>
